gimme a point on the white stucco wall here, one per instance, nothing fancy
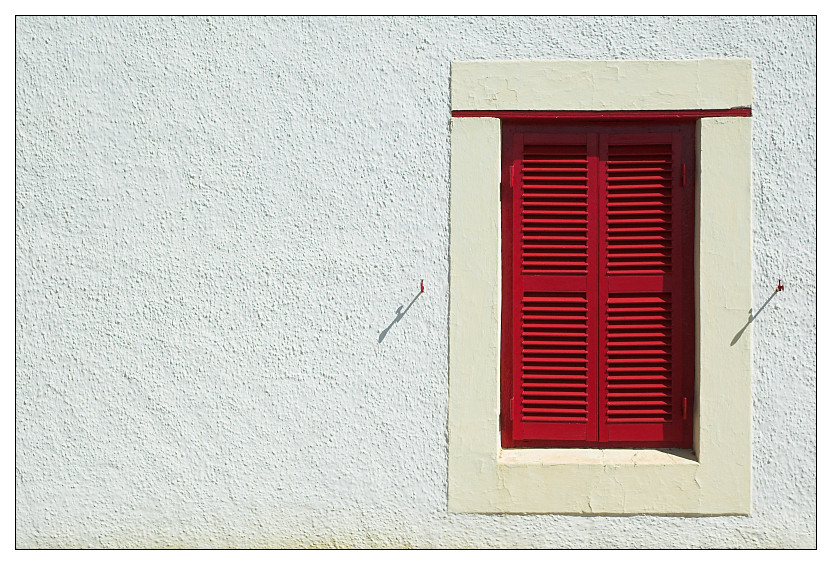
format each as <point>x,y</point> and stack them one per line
<point>216,222</point>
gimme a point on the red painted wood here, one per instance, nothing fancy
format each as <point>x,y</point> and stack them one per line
<point>506,330</point>
<point>597,251</point>
<point>517,288</point>
<point>586,115</point>
<point>639,386</point>
<point>553,232</point>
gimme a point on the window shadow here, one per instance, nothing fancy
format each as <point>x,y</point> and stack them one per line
<point>751,318</point>
<point>399,315</point>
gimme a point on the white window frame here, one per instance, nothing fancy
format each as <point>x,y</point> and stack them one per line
<point>713,478</point>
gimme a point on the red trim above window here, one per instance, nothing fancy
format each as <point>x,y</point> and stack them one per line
<point>603,115</point>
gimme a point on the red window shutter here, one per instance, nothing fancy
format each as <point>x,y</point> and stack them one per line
<point>598,298</point>
<point>644,326</point>
<point>554,284</point>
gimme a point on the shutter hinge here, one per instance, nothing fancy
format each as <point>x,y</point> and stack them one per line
<point>684,408</point>
<point>511,408</point>
<point>684,176</point>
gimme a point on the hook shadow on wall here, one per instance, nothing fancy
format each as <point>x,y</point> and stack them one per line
<point>752,316</point>
<point>400,313</point>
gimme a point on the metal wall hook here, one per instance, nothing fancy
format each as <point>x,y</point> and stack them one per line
<point>422,285</point>
<point>779,285</point>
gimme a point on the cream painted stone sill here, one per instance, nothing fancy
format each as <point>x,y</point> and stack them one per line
<point>601,457</point>
<point>713,478</point>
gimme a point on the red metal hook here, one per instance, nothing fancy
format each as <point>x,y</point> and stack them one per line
<point>779,285</point>
<point>422,285</point>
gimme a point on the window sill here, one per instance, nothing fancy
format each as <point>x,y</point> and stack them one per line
<point>598,457</point>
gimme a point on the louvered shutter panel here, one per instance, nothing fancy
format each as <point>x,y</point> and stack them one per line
<point>644,308</point>
<point>554,288</point>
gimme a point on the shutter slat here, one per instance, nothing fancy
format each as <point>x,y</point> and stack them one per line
<point>561,386</point>
<point>636,189</point>
<point>632,232</point>
<point>631,168</point>
<point>554,161</point>
<point>569,194</point>
<point>572,188</point>
<point>552,171</point>
<point>535,395</point>
<point>544,317</point>
<point>638,209</point>
<point>542,203</point>
<point>649,247</point>
<point>622,160</point>
<point>621,197</point>
<point>623,223</point>
<point>538,214</point>
<point>573,345</point>
<point>533,418</point>
<point>635,393</point>
<point>625,176</point>
<point>618,206</point>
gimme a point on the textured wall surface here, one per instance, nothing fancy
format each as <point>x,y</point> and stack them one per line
<point>217,220</point>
